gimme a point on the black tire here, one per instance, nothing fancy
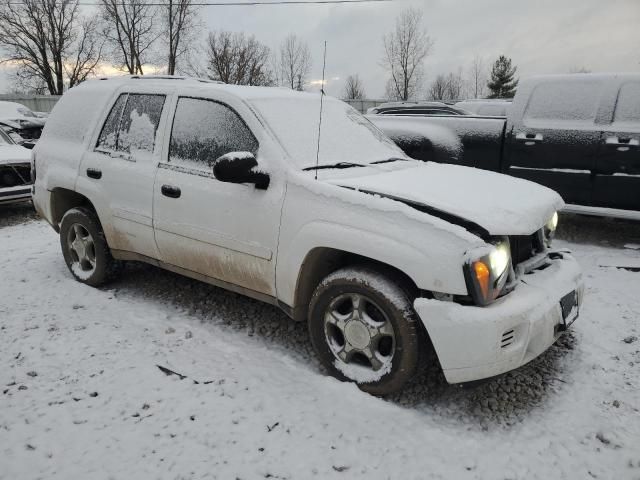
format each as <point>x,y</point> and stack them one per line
<point>394,302</point>
<point>105,268</point>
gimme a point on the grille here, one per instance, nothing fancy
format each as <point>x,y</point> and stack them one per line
<point>523,247</point>
<point>507,338</point>
<point>15,175</point>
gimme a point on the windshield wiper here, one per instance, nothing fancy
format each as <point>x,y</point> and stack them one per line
<point>334,165</point>
<point>389,160</point>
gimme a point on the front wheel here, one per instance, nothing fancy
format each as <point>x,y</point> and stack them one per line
<point>363,328</point>
<point>85,248</point>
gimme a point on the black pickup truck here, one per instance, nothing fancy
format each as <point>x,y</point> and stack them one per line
<point>578,134</point>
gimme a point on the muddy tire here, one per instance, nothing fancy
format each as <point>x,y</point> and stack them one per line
<point>364,329</point>
<point>85,248</point>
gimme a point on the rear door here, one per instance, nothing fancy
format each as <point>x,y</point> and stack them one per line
<point>554,138</point>
<point>117,174</point>
<point>617,174</point>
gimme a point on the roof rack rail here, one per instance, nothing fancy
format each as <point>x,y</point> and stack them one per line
<point>162,77</point>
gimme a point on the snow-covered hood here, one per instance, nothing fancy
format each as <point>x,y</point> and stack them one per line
<point>14,154</point>
<point>22,122</point>
<point>500,204</point>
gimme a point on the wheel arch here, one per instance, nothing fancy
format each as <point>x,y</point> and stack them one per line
<point>63,200</point>
<point>322,261</point>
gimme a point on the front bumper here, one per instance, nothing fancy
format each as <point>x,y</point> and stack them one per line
<point>480,342</point>
<point>15,194</point>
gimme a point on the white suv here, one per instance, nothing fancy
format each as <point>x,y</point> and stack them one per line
<point>382,255</point>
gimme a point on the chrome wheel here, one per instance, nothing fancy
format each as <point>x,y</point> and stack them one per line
<point>358,332</point>
<point>82,249</point>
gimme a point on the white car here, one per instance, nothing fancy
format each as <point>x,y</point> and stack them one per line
<point>383,256</point>
<point>15,171</point>
<point>19,115</point>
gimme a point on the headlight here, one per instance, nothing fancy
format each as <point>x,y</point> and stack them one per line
<point>487,275</point>
<point>550,229</point>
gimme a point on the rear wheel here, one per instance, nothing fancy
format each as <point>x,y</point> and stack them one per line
<point>85,248</point>
<point>364,330</point>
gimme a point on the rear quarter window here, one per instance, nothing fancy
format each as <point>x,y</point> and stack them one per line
<point>74,114</point>
<point>564,103</point>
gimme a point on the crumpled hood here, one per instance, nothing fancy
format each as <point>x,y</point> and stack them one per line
<point>14,154</point>
<point>500,204</point>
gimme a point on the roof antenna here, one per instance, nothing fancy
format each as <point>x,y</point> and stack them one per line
<point>324,64</point>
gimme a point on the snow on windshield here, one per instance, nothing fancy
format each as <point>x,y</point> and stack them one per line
<point>628,106</point>
<point>346,136</point>
<point>5,139</point>
<point>12,109</point>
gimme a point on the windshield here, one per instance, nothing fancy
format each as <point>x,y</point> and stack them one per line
<point>26,112</point>
<point>5,139</point>
<point>346,136</point>
<point>11,109</point>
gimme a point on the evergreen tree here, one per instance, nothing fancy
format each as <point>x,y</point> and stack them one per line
<point>503,83</point>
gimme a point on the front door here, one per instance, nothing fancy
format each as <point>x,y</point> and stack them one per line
<point>555,140</point>
<point>221,230</point>
<point>617,175</point>
<point>119,172</point>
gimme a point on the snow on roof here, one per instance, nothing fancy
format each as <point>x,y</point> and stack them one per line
<point>243,91</point>
<point>580,77</point>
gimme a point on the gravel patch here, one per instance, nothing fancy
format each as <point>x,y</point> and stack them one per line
<point>15,214</point>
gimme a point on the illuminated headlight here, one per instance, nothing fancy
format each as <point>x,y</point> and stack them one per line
<point>550,228</point>
<point>487,275</point>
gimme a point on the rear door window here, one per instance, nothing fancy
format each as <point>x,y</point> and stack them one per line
<point>627,111</point>
<point>204,130</point>
<point>109,134</point>
<point>132,124</point>
<point>139,124</point>
<point>574,102</point>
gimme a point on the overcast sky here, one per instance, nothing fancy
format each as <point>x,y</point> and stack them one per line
<point>541,36</point>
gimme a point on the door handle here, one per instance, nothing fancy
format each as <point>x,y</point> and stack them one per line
<point>529,138</point>
<point>170,191</point>
<point>94,173</point>
<point>623,142</point>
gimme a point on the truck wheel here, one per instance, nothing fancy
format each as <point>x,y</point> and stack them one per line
<point>85,248</point>
<point>363,328</point>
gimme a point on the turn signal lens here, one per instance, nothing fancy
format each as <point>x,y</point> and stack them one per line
<point>483,276</point>
<point>487,273</point>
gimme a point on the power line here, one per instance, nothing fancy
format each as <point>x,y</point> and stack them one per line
<point>242,4</point>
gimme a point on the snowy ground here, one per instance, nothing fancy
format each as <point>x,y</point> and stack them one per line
<point>83,396</point>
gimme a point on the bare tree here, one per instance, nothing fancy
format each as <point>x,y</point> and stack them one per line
<point>439,87</point>
<point>295,62</point>
<point>448,87</point>
<point>456,88</point>
<point>353,88</point>
<point>131,31</point>
<point>180,23</point>
<point>51,44</point>
<point>477,77</point>
<point>235,58</point>
<point>405,49</point>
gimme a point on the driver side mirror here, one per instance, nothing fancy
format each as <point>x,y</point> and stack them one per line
<point>239,167</point>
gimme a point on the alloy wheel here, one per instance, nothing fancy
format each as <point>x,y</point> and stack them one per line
<point>359,332</point>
